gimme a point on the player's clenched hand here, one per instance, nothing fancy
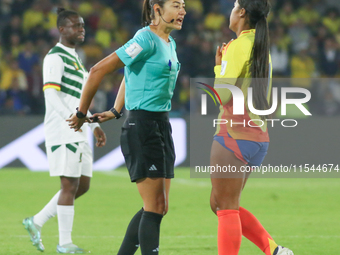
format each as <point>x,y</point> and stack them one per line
<point>76,123</point>
<point>102,117</point>
<point>218,57</point>
<point>100,137</point>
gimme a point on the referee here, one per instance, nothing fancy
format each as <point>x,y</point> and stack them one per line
<point>151,70</point>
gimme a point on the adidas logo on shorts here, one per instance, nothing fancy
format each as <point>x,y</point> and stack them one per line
<point>153,168</point>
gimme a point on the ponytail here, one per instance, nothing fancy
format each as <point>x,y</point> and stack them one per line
<point>259,67</point>
<point>257,11</point>
<point>148,13</point>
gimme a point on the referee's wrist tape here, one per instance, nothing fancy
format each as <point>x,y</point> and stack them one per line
<point>116,113</point>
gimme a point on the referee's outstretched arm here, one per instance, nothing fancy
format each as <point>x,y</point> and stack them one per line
<point>109,64</point>
<point>118,105</point>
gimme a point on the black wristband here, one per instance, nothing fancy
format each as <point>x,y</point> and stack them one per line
<point>80,115</point>
<point>117,114</point>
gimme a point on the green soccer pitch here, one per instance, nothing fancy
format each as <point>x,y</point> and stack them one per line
<point>302,214</point>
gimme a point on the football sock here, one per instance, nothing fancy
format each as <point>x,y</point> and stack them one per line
<point>253,230</point>
<point>229,233</point>
<point>65,223</point>
<point>149,229</point>
<point>49,211</point>
<point>131,242</point>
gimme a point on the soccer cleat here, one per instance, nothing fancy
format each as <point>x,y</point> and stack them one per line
<point>280,250</point>
<point>34,233</point>
<point>71,248</point>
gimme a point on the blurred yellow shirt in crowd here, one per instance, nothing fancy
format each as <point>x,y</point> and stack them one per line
<point>309,16</point>
<point>108,16</point>
<point>332,25</point>
<point>288,20</point>
<point>93,51</point>
<point>302,71</point>
<point>103,37</point>
<point>8,75</point>
<point>195,5</point>
<point>85,9</point>
<point>120,36</point>
<point>214,21</point>
<point>16,50</point>
<point>284,42</point>
<point>32,18</point>
<point>50,21</point>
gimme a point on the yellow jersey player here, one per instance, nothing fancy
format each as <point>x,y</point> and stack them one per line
<point>244,62</point>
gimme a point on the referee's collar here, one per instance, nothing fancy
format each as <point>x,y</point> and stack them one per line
<point>68,49</point>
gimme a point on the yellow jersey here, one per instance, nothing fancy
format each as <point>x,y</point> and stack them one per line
<point>235,71</point>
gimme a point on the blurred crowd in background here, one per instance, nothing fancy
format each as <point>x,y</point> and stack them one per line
<point>305,44</point>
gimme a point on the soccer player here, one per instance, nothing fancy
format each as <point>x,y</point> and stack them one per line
<point>243,62</point>
<point>151,70</point>
<point>69,154</point>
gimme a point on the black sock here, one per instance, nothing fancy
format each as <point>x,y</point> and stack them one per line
<point>149,233</point>
<point>130,243</point>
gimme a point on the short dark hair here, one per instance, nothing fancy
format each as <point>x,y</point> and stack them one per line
<point>63,14</point>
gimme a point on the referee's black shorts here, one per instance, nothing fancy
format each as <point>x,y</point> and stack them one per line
<point>147,145</point>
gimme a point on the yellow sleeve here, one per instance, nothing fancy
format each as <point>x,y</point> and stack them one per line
<point>233,62</point>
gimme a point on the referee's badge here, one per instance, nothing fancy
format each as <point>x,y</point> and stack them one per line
<point>133,50</point>
<point>223,67</point>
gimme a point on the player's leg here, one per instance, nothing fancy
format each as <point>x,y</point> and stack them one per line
<point>77,173</point>
<point>86,169</point>
<point>50,209</point>
<point>130,243</point>
<point>153,193</point>
<point>56,160</point>
<point>65,211</point>
<point>252,228</point>
<point>34,224</point>
<point>84,185</point>
<point>226,193</point>
<point>144,151</point>
<point>167,191</point>
<point>65,208</point>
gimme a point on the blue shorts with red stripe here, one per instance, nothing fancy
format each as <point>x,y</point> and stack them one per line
<point>249,152</point>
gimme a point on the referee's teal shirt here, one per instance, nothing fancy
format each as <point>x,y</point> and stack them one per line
<point>151,70</point>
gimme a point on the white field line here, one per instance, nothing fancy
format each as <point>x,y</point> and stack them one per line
<point>183,237</point>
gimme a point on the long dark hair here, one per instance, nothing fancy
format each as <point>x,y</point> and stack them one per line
<point>148,13</point>
<point>257,12</point>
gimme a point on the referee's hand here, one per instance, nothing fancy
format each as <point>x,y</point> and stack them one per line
<point>102,117</point>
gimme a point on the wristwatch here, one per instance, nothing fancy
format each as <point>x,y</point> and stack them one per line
<point>116,113</point>
<point>79,114</point>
